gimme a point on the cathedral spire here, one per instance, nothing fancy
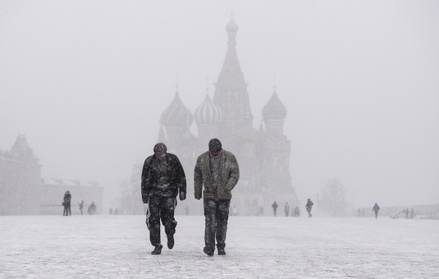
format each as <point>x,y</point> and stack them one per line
<point>231,89</point>
<point>232,29</point>
<point>231,69</point>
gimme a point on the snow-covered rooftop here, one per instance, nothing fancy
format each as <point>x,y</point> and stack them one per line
<point>69,182</point>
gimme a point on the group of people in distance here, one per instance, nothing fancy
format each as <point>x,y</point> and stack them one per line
<point>296,211</point>
<point>216,173</point>
<point>67,205</point>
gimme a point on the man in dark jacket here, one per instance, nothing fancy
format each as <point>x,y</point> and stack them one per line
<point>375,209</point>
<point>162,179</point>
<point>274,205</point>
<point>67,204</point>
<point>218,171</point>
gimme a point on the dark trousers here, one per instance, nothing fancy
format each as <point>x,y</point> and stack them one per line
<point>216,213</point>
<point>67,211</point>
<point>308,209</point>
<point>161,208</point>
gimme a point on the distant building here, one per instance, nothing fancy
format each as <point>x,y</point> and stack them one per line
<point>263,154</point>
<point>20,180</point>
<point>24,192</point>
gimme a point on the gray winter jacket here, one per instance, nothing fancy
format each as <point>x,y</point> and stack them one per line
<point>229,175</point>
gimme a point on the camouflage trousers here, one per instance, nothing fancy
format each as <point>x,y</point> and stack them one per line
<point>161,208</point>
<point>216,213</point>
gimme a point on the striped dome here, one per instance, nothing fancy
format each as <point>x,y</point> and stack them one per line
<point>208,112</point>
<point>274,109</point>
<point>176,114</point>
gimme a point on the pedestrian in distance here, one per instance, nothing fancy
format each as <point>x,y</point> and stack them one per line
<point>81,206</point>
<point>308,207</point>
<point>296,212</point>
<point>274,206</point>
<point>216,173</point>
<point>375,209</point>
<point>287,209</point>
<point>163,178</point>
<point>67,204</point>
<point>235,211</point>
<point>91,208</point>
<point>232,212</point>
<point>260,211</point>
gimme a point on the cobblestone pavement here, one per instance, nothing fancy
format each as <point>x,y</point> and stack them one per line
<point>105,246</point>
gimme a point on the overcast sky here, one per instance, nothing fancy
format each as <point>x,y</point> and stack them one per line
<point>87,81</point>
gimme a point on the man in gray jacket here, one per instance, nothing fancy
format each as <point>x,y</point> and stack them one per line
<point>218,171</point>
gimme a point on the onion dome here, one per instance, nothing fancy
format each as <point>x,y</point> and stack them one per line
<point>274,109</point>
<point>176,114</point>
<point>208,112</point>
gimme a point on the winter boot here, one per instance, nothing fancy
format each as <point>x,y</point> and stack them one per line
<point>221,250</point>
<point>170,241</point>
<point>157,250</point>
<point>208,250</point>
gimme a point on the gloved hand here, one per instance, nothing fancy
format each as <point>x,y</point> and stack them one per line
<point>145,198</point>
<point>182,196</point>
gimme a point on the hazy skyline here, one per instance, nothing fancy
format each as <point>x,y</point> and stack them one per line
<point>86,82</point>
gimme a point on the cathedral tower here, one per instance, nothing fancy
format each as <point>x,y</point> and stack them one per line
<point>275,152</point>
<point>231,94</point>
<point>263,156</point>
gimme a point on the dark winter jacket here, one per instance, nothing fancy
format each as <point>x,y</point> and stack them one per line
<point>151,174</point>
<point>67,199</point>
<point>376,208</point>
<point>229,176</point>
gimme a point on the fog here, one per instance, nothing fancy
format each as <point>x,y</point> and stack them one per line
<point>86,82</point>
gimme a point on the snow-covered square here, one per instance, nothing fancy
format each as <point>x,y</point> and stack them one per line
<point>117,246</point>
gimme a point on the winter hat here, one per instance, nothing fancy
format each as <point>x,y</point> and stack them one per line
<point>215,145</point>
<point>160,148</point>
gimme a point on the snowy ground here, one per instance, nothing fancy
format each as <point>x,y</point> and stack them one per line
<point>105,246</point>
